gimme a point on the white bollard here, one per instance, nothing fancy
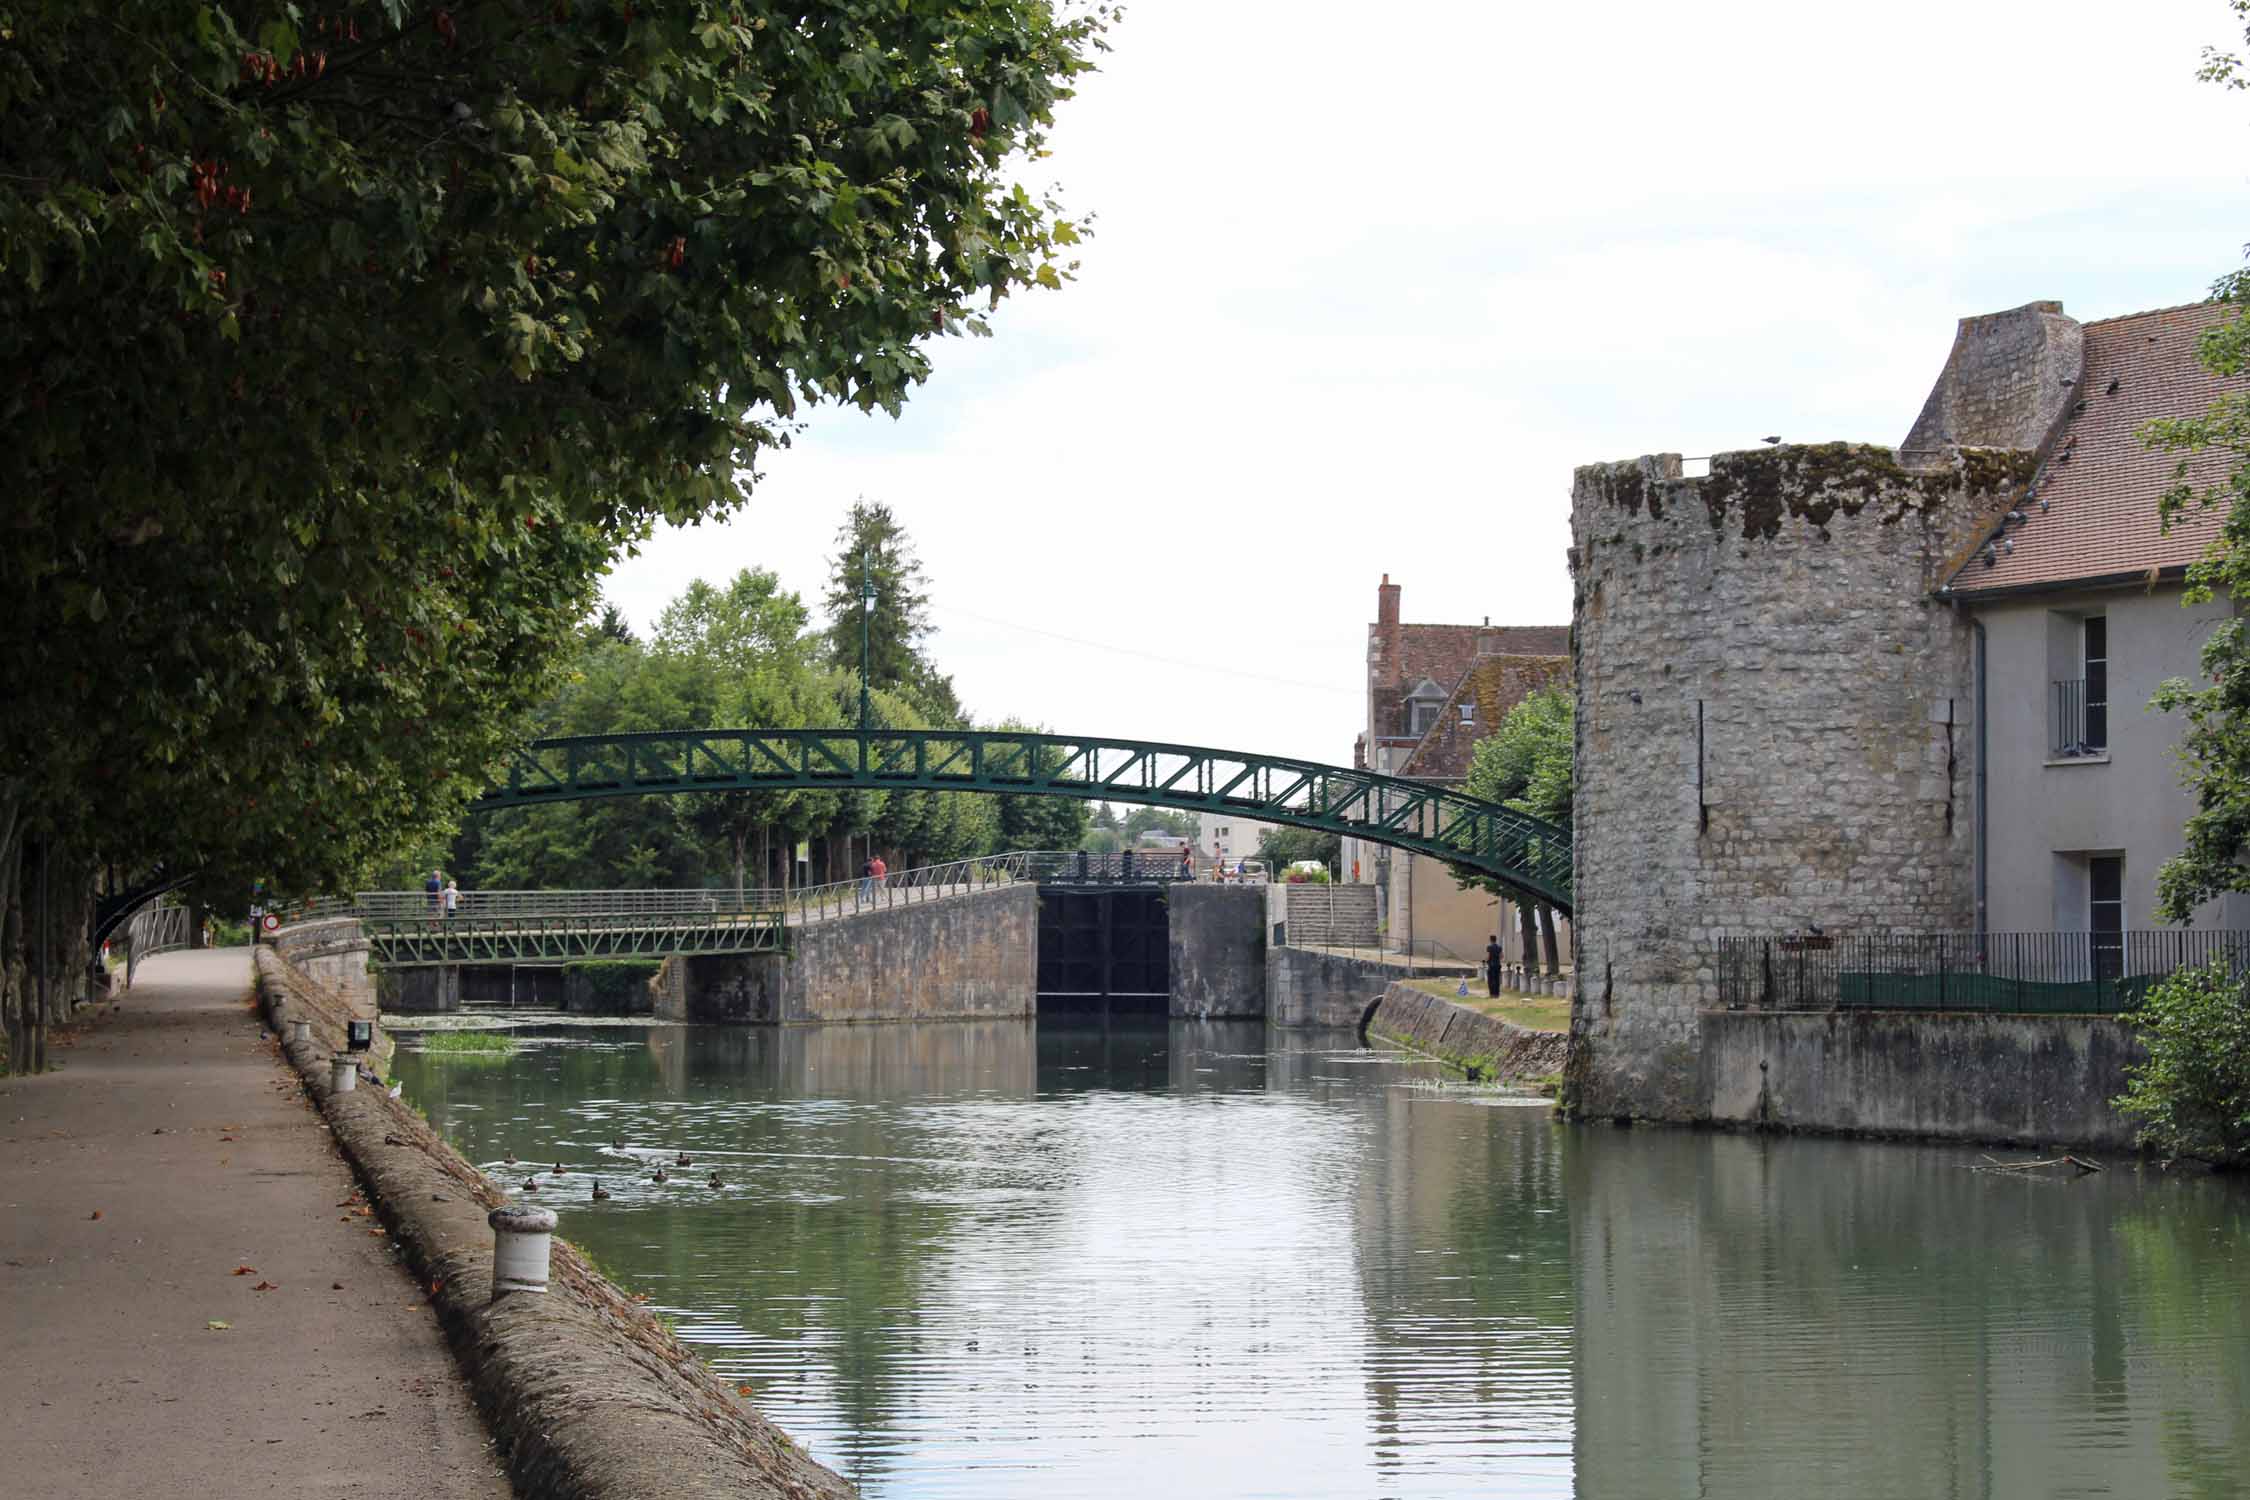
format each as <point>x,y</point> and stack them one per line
<point>522,1239</point>
<point>300,1031</point>
<point>343,1073</point>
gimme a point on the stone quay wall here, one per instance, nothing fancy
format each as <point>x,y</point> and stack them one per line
<point>2018,1080</point>
<point>1217,957</point>
<point>1773,720</point>
<point>1480,1045</point>
<point>1314,989</point>
<point>971,955</point>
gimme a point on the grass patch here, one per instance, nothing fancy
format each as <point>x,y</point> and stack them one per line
<point>1531,1012</point>
<point>469,1043</point>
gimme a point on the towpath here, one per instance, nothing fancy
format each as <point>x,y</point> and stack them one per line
<point>173,1147</point>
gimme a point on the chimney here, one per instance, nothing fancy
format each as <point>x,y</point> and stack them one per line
<point>1386,602</point>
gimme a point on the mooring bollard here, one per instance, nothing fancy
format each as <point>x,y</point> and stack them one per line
<point>522,1238</point>
<point>300,1031</point>
<point>343,1072</point>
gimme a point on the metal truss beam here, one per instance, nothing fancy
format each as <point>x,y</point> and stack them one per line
<point>418,942</point>
<point>1524,855</point>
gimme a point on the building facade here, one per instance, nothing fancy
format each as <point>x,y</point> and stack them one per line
<point>1843,689</point>
<point>1432,692</point>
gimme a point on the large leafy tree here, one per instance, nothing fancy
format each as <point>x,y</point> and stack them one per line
<point>2215,750</point>
<point>340,344</point>
<point>1529,763</point>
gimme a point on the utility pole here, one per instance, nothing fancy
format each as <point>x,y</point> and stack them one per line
<point>866,610</point>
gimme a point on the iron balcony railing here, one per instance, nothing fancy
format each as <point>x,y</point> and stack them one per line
<point>2075,726</point>
<point>424,940</point>
<point>2043,973</point>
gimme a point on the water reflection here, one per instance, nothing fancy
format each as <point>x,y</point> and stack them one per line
<point>994,1258</point>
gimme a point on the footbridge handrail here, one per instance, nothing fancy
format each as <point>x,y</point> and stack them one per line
<point>1520,852</point>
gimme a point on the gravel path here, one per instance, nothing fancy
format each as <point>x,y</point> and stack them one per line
<point>174,1146</point>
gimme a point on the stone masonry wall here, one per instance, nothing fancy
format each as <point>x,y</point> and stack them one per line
<point>970,955</point>
<point>1773,729</point>
<point>1217,937</point>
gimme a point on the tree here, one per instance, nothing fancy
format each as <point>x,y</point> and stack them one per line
<point>1038,822</point>
<point>1528,763</point>
<point>1282,847</point>
<point>341,347</point>
<point>871,547</point>
<point>2193,1093</point>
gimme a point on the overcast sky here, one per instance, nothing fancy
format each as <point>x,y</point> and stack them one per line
<point>1367,282</point>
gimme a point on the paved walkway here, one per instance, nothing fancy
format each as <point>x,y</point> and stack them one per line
<point>172,1147</point>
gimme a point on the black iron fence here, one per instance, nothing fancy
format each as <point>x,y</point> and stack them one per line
<point>2046,973</point>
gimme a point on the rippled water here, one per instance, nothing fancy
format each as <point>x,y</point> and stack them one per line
<point>995,1259</point>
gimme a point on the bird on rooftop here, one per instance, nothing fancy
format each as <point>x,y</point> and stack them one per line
<point>600,1192</point>
<point>2112,390</point>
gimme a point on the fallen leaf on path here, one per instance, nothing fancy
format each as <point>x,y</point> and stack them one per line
<point>265,1286</point>
<point>378,1233</point>
<point>335,1286</point>
<point>245,1270</point>
<point>743,1389</point>
<point>218,1327</point>
<point>226,1137</point>
<point>97,1213</point>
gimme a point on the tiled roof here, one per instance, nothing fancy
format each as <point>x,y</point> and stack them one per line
<point>2100,482</point>
<point>1444,654</point>
<point>1494,684</point>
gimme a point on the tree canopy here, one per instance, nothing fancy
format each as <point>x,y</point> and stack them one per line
<point>1529,760</point>
<point>342,344</point>
<point>2215,751</point>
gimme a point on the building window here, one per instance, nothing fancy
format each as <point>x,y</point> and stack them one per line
<point>2079,717</point>
<point>1425,714</point>
<point>2094,635</point>
<point>2105,912</point>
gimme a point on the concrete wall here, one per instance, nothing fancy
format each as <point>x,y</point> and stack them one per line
<point>970,955</point>
<point>1484,1046</point>
<point>1305,988</point>
<point>431,990</point>
<point>2129,802</point>
<point>2035,1080</point>
<point>1217,950</point>
<point>329,953</point>
<point>1773,729</point>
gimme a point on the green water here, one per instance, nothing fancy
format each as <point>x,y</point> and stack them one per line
<point>994,1259</point>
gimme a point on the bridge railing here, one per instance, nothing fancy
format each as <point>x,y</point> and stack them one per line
<point>958,877</point>
<point>479,905</point>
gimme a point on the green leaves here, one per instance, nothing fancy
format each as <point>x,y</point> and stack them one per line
<point>2193,1093</point>
<point>380,343</point>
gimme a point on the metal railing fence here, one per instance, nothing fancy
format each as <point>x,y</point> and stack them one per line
<point>2027,973</point>
<point>152,930</point>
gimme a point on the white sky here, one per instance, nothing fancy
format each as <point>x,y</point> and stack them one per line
<point>1363,291</point>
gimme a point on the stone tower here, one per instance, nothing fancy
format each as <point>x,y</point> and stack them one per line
<point>1774,729</point>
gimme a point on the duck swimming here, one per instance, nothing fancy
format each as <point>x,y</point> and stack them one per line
<point>600,1192</point>
<point>716,1182</point>
<point>509,1159</point>
<point>531,1184</point>
<point>659,1174</point>
<point>684,1160</point>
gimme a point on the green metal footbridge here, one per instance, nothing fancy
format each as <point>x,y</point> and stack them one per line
<point>1522,854</point>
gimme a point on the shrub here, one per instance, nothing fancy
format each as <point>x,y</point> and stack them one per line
<point>2193,1093</point>
<point>469,1043</point>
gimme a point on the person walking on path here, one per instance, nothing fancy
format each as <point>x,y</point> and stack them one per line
<point>1492,966</point>
<point>1187,865</point>
<point>173,1150</point>
<point>877,870</point>
<point>434,888</point>
<point>452,897</point>
<point>866,880</point>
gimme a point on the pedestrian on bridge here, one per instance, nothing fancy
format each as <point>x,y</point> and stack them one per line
<point>435,888</point>
<point>879,870</point>
<point>867,880</point>
<point>1492,966</point>
<point>452,897</point>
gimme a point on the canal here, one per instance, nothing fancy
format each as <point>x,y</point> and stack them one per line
<point>1004,1259</point>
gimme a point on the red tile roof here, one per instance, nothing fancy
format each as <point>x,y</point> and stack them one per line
<point>1444,654</point>
<point>1494,684</point>
<point>2100,482</point>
